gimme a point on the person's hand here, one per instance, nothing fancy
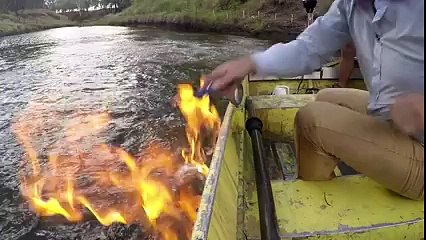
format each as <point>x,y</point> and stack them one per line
<point>229,75</point>
<point>408,113</point>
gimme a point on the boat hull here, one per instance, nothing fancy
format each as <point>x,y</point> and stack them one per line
<point>347,207</point>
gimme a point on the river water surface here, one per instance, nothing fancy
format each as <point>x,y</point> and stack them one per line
<point>131,72</point>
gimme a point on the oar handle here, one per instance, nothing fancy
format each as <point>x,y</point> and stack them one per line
<point>267,215</point>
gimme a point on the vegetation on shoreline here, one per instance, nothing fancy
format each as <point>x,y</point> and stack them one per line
<point>21,16</point>
<point>31,20</point>
<point>246,17</point>
<point>235,16</point>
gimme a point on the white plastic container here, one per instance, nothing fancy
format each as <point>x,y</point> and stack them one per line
<point>281,90</point>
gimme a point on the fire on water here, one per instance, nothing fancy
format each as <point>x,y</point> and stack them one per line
<point>155,190</point>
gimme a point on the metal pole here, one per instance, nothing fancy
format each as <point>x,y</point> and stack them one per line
<point>267,215</point>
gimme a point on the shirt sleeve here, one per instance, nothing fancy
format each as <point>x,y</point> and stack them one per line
<point>312,48</point>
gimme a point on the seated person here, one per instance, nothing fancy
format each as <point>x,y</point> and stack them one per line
<point>379,133</point>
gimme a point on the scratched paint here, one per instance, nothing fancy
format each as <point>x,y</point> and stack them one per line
<point>304,212</point>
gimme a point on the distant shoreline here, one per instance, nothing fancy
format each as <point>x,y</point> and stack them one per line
<point>32,30</point>
<point>273,33</point>
<point>27,21</point>
<point>41,19</point>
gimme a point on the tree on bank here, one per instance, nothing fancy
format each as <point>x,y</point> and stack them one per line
<point>118,5</point>
<point>84,5</point>
<point>16,5</point>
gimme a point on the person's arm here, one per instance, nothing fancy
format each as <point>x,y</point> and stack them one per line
<point>346,65</point>
<point>314,47</point>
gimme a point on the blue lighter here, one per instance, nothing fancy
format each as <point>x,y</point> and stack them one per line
<point>236,100</point>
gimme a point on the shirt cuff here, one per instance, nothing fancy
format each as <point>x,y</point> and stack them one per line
<point>261,61</point>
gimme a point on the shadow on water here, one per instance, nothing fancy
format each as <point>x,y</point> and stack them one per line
<point>130,72</point>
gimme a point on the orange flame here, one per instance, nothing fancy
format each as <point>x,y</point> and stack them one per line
<point>151,190</point>
<point>199,114</point>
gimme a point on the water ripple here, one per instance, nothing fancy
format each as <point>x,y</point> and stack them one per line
<point>131,72</point>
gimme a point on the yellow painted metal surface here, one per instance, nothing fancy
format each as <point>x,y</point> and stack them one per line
<point>278,124</point>
<point>281,101</point>
<point>217,217</point>
<point>224,219</point>
<point>345,205</point>
<point>222,192</point>
<point>345,208</point>
<point>220,188</point>
<point>278,121</point>
<point>351,207</point>
<point>267,87</point>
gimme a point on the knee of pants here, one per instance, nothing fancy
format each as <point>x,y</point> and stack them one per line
<point>308,117</point>
<point>312,119</point>
<point>327,95</point>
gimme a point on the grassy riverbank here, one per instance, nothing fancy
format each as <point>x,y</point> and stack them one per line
<point>253,17</point>
<point>271,19</point>
<point>31,21</point>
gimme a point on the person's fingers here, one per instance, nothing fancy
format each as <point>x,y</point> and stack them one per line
<point>229,92</point>
<point>230,73</point>
<point>216,74</point>
<point>221,84</point>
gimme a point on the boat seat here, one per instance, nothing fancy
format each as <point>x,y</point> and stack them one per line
<point>343,208</point>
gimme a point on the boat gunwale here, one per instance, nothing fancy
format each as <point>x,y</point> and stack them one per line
<point>204,215</point>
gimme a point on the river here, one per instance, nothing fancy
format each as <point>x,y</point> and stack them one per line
<point>131,72</point>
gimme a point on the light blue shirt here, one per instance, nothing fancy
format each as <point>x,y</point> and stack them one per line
<point>389,46</point>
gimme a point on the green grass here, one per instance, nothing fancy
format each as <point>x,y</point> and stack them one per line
<point>212,9</point>
<point>31,20</point>
<point>238,16</point>
<point>209,13</point>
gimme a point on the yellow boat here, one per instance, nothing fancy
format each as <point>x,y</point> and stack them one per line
<point>347,207</point>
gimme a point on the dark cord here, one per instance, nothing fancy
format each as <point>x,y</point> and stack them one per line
<point>300,84</point>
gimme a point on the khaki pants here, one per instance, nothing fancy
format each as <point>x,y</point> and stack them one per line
<point>336,127</point>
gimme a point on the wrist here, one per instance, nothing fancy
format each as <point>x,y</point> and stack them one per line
<point>253,59</point>
<point>250,64</point>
